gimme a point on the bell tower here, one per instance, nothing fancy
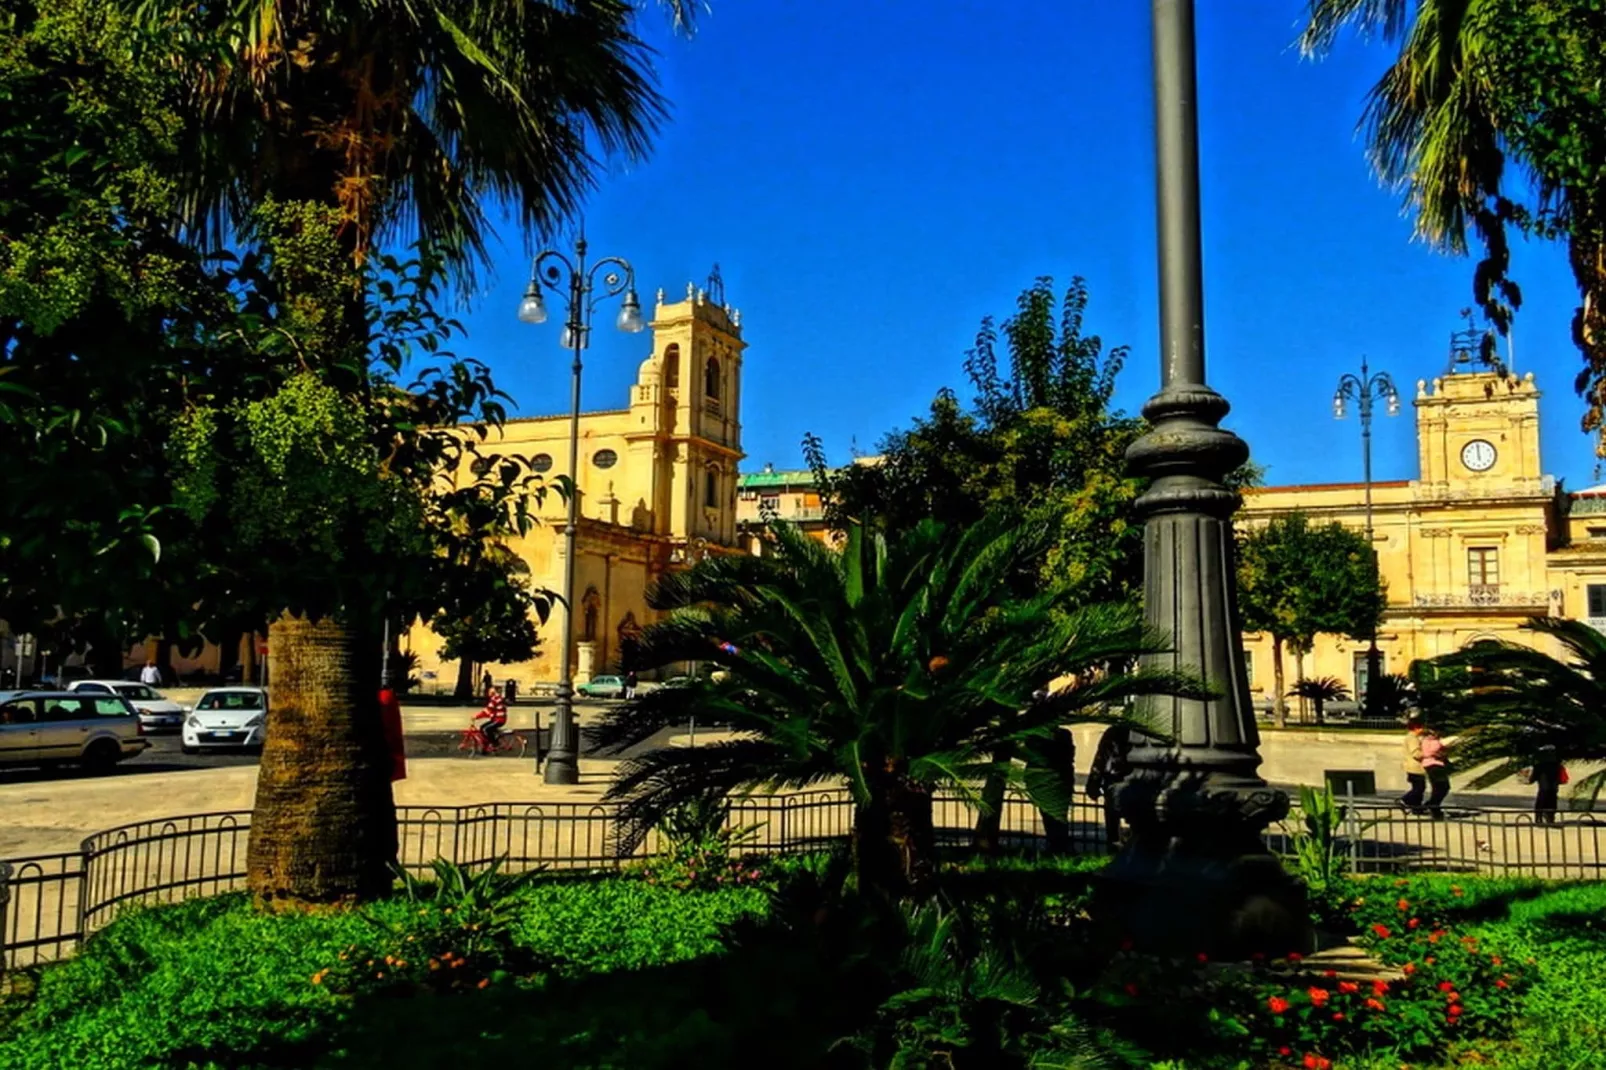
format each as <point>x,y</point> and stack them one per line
<point>1478,426</point>
<point>687,404</point>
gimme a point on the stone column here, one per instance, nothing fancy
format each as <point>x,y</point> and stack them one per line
<point>1194,875</point>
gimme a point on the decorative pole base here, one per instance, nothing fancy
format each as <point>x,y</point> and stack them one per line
<point>1195,876</point>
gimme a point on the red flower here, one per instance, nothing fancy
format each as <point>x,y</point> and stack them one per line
<point>1126,945</point>
<point>1285,1050</point>
<point>1316,1062</point>
<point>1294,956</point>
<point>1349,988</point>
<point>1375,1004</point>
<point>1428,960</point>
<point>1455,997</point>
<point>1446,986</point>
<point>1454,1010</point>
<point>1501,984</point>
<point>1131,989</point>
<point>1318,996</point>
<point>1329,973</point>
<point>1338,1016</point>
<point>1202,957</point>
<point>1380,987</point>
<point>1382,931</point>
<point>1455,890</point>
<point>1413,923</point>
<point>1277,1004</point>
<point>1403,905</point>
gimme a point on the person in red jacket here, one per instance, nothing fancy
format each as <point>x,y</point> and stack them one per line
<point>494,715</point>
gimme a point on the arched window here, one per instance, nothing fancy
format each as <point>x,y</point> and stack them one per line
<point>711,378</point>
<point>672,366</point>
<point>710,488</point>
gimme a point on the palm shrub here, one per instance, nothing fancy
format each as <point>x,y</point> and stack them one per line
<point>898,664</point>
<point>1320,690</point>
<point>1506,702</point>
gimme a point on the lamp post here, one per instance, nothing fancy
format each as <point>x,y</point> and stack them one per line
<point>584,289</point>
<point>1195,874</point>
<point>1363,390</point>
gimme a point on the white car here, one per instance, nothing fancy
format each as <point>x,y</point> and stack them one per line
<point>156,711</point>
<point>227,717</point>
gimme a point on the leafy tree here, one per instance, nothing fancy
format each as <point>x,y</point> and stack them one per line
<point>1506,703</point>
<point>488,614</point>
<point>1320,690</point>
<point>900,664</point>
<point>1478,86</point>
<point>1041,440</point>
<point>1296,581</point>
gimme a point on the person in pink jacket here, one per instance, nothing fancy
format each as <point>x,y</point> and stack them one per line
<point>1436,764</point>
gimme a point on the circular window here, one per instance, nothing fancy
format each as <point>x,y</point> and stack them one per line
<point>605,458</point>
<point>541,462</point>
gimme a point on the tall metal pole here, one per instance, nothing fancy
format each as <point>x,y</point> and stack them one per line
<point>1194,874</point>
<point>1364,390</point>
<point>563,763</point>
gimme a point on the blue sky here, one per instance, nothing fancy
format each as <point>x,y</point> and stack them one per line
<point>873,178</point>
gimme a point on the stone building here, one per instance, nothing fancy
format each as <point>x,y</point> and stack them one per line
<point>657,484</point>
<point>1479,542</point>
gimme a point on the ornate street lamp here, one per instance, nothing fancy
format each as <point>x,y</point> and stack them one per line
<point>1195,874</point>
<point>584,291</point>
<point>1363,390</point>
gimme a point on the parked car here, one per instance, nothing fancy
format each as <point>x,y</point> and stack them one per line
<point>602,687</point>
<point>156,711</point>
<point>42,727</point>
<point>227,717</point>
<point>58,678</point>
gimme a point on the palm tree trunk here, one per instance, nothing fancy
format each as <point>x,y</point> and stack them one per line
<point>324,827</point>
<point>894,839</point>
<point>1278,703</point>
<point>990,820</point>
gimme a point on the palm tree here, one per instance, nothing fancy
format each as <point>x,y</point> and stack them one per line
<point>1505,703</point>
<point>1320,690</point>
<point>409,117</point>
<point>398,120</point>
<point>898,664</point>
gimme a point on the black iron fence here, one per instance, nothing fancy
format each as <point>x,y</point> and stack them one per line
<point>50,903</point>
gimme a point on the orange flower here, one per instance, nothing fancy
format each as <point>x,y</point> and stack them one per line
<point>484,981</point>
<point>1403,905</point>
<point>1277,1004</point>
<point>1408,969</point>
<point>1375,1004</point>
<point>1455,890</point>
<point>1380,987</point>
<point>1318,996</point>
<point>1349,988</point>
<point>1382,931</point>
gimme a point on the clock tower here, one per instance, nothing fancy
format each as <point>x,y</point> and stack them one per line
<point>1478,434</point>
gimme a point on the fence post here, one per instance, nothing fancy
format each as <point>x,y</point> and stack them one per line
<point>1352,831</point>
<point>80,910</point>
<point>5,914</point>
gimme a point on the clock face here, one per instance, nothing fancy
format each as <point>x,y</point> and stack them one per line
<point>1478,455</point>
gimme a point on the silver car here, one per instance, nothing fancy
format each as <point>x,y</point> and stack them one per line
<point>43,727</point>
<point>156,711</point>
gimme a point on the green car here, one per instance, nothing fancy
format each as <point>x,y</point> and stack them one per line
<point>602,687</point>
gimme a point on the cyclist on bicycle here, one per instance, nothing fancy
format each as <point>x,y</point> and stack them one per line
<point>494,715</point>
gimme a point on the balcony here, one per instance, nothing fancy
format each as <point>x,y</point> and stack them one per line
<point>1484,595</point>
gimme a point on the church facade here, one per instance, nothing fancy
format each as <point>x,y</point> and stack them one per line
<point>1481,541</point>
<point>657,486</point>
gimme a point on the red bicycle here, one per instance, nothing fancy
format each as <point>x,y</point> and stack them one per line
<point>507,742</point>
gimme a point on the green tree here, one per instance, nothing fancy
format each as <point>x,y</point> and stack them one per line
<point>1042,440</point>
<point>1296,581</point>
<point>1320,690</point>
<point>1478,86</point>
<point>1507,703</point>
<point>488,614</point>
<point>900,665</point>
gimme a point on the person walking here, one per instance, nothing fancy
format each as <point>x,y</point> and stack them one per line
<point>1109,769</point>
<point>1415,775</point>
<point>1436,766</point>
<point>1062,760</point>
<point>1547,776</point>
<point>150,675</point>
<point>630,684</point>
<point>486,683</point>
